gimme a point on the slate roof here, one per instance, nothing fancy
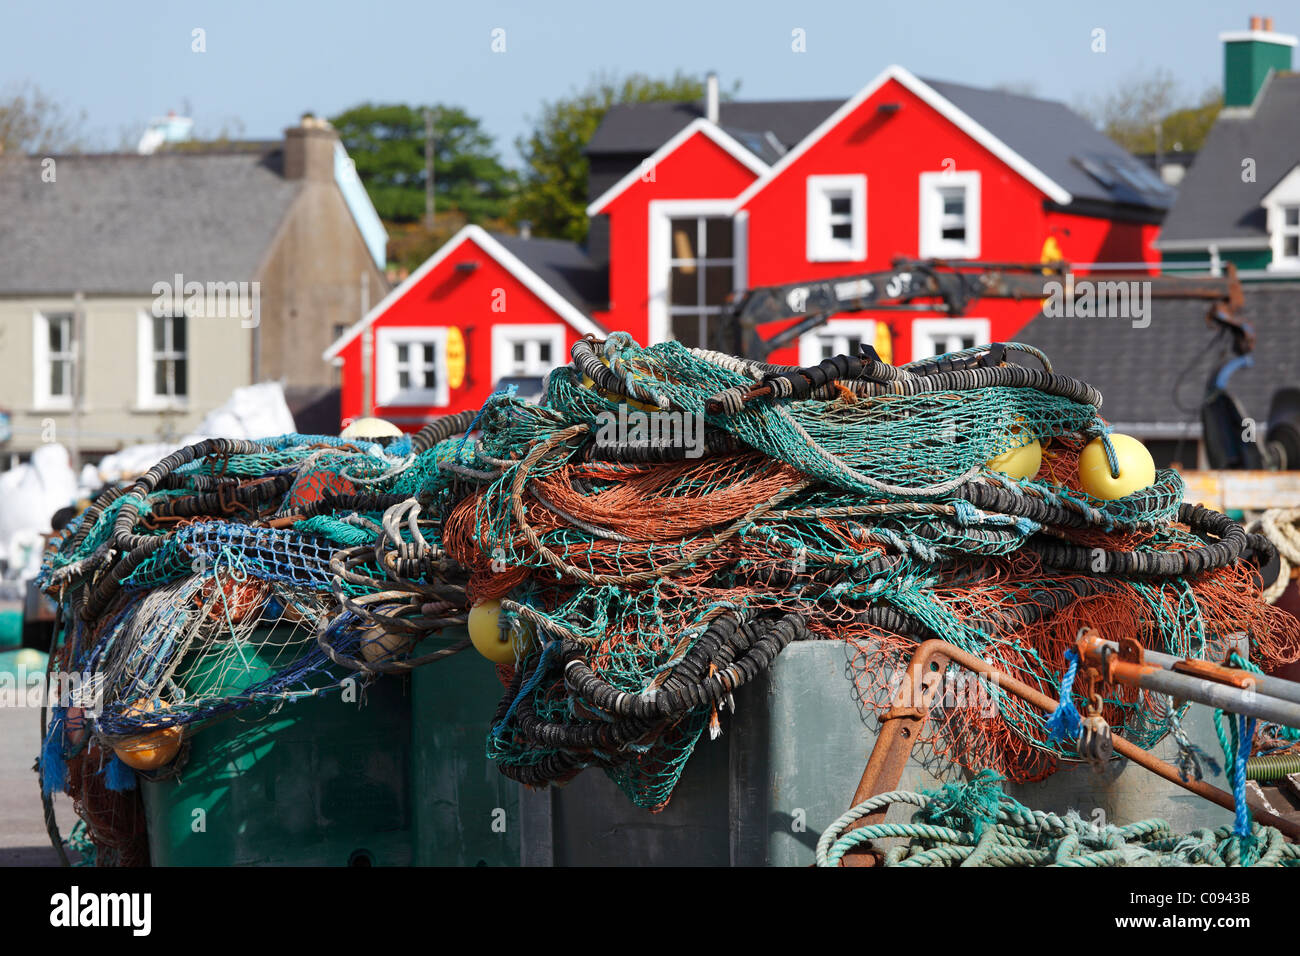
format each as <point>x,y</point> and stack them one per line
<point>1145,375</point>
<point>1048,134</point>
<point>641,128</point>
<point>118,223</point>
<point>562,265</point>
<point>1065,146</point>
<point>1213,202</point>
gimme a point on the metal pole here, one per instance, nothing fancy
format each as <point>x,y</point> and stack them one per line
<point>1263,684</point>
<point>78,323</point>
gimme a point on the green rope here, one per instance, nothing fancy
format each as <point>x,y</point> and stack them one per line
<point>975,824</point>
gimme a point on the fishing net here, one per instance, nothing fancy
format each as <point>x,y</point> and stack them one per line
<point>656,530</point>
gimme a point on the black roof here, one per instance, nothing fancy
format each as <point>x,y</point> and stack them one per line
<point>1062,144</point>
<point>1048,134</point>
<point>564,266</point>
<point>1213,201</point>
<point>1155,376</point>
<point>641,128</point>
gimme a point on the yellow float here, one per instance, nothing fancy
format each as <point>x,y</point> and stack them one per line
<point>487,637</point>
<point>1023,461</point>
<point>151,750</point>
<point>1137,469</point>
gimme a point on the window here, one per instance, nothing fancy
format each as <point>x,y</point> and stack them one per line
<point>54,359</point>
<point>702,273</point>
<point>1289,234</point>
<point>1282,212</point>
<point>410,366</point>
<point>931,337</point>
<point>526,351</point>
<point>836,337</point>
<point>950,215</point>
<point>162,363</point>
<point>837,218</point>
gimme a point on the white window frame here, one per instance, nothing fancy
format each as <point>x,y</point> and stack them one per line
<point>42,357</point>
<point>810,352</point>
<point>145,397</point>
<point>1285,195</point>
<point>1280,232</point>
<point>821,245</point>
<point>931,243</point>
<point>506,337</point>
<point>387,392</point>
<point>661,214</point>
<point>928,330</point>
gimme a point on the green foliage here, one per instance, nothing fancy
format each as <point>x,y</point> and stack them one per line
<point>1131,113</point>
<point>33,122</point>
<point>553,194</point>
<point>386,141</point>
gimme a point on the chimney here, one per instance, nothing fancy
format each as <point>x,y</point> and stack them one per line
<point>711,97</point>
<point>1248,58</point>
<point>309,150</point>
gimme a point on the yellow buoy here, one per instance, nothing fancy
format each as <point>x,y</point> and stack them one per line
<point>151,750</point>
<point>1023,461</point>
<point>371,428</point>
<point>1137,469</point>
<point>489,639</point>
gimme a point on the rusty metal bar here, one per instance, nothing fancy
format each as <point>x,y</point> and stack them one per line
<point>902,724</point>
<point>1092,647</point>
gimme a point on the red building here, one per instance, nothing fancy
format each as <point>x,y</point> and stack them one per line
<point>692,202</point>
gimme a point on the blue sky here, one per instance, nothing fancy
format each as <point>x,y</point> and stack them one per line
<point>266,62</point>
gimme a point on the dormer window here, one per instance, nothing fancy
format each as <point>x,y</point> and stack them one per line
<point>1282,208</point>
<point>1290,233</point>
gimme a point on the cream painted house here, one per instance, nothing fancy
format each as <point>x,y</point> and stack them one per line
<point>136,292</point>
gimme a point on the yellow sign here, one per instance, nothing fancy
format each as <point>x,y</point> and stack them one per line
<point>884,343</point>
<point>455,357</point>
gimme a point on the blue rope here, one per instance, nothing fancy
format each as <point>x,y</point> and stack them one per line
<point>1243,732</point>
<point>1064,724</point>
<point>528,686</point>
<point>506,392</point>
<point>1111,459</point>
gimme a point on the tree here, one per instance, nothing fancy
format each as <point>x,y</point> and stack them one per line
<point>31,121</point>
<point>553,194</point>
<point>1131,114</point>
<point>386,141</point>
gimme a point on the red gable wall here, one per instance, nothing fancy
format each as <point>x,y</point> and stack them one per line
<point>892,150</point>
<point>698,169</point>
<point>442,298</point>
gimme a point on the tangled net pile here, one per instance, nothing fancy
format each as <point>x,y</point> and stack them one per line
<point>976,824</point>
<point>646,580</point>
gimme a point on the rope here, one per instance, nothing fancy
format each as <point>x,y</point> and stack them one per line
<point>974,824</point>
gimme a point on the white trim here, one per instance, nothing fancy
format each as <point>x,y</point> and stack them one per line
<point>944,107</point>
<point>728,143</point>
<point>1196,245</point>
<point>145,398</point>
<point>810,342</point>
<point>660,212</point>
<point>505,337</point>
<point>1261,36</point>
<point>511,263</point>
<point>819,245</point>
<point>928,328</point>
<point>42,400</point>
<point>388,393</point>
<point>1284,195</point>
<point>930,241</point>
